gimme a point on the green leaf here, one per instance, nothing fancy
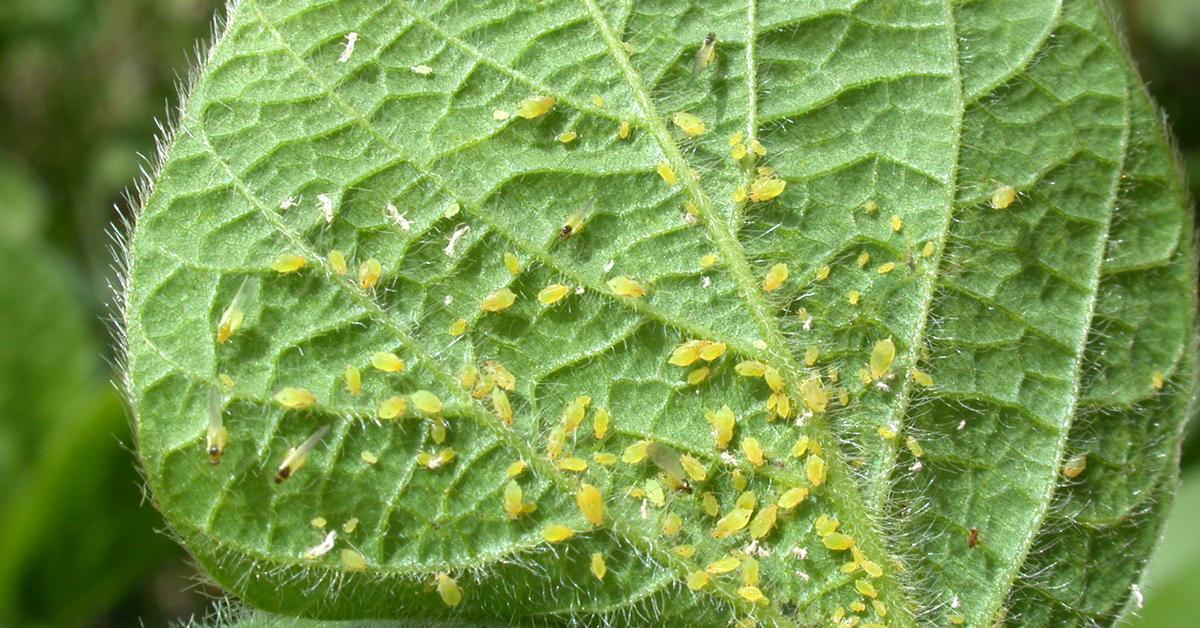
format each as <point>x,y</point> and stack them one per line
<point>1031,333</point>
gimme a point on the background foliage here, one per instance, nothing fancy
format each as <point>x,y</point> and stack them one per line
<point>81,82</point>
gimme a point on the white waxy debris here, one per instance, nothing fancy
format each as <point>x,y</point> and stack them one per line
<point>1138,598</point>
<point>447,300</point>
<point>351,39</point>
<point>454,238</point>
<point>287,203</point>
<point>395,216</point>
<point>808,324</point>
<point>760,344</point>
<point>728,458</point>
<point>689,219</point>
<point>322,548</point>
<point>955,603</point>
<point>803,575</point>
<point>705,281</point>
<point>800,552</point>
<point>325,204</point>
<point>962,424</point>
<point>609,265</point>
<point>421,69</point>
<point>580,290</point>
<point>916,466</point>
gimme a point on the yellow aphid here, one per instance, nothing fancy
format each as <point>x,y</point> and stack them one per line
<point>792,497</point>
<point>557,533</point>
<point>604,458</point>
<point>764,521</point>
<point>837,541</point>
<point>758,148</point>
<point>711,506</point>
<point>739,194</point>
<point>295,398</point>
<point>369,457</point>
<point>753,451</point>
<point>573,464</point>
<point>722,422</point>
<point>552,293</point>
<point>626,287</point>
<point>536,106</point>
<point>1003,197</point>
<point>498,301</point>
<point>514,504</point>
<point>880,608</point>
<point>437,460</point>
<point>685,551</point>
<point>502,406</point>
<point>956,619</point>
<point>598,101</point>
<point>235,314</point>
<point>392,408</point>
<point>686,353</point>
<point>732,523</point>
<point>654,493</point>
<point>856,606</point>
<point>693,467</point>
<point>870,207</point>
<point>426,402</point>
<point>747,500</point>
<point>697,376</point>
<point>575,413</point>
<point>814,395</point>
<point>337,262</point>
<point>512,264</point>
<point>752,594</point>
<point>705,55</point>
<point>750,368</point>
<point>297,456</point>
<point>516,468</point>
<point>500,374</point>
<point>914,447</point>
<point>448,590</point>
<point>387,362</point>
<point>600,423</point>
<point>697,580</point>
<point>458,327</point>
<point>839,614</point>
<point>801,447</point>
<point>623,130</point>
<point>369,273</point>
<point>773,379</point>
<point>468,376</point>
<point>922,378</point>
<point>667,173</point>
<point>226,380</point>
<point>882,355</point>
<point>353,379</point>
<point>897,223</point>
<point>437,430</point>
<point>671,524</point>
<point>353,561</point>
<point>822,273</point>
<point>928,250</point>
<point>866,588</point>
<point>216,436</point>
<point>887,268</point>
<point>1157,380</point>
<point>738,151</point>
<point>825,525</point>
<point>599,567</point>
<point>750,572</point>
<point>591,503</point>
<point>886,433</point>
<point>566,137</point>
<point>500,115</point>
<point>712,351</point>
<point>853,296</point>
<point>555,442</point>
<point>775,277</point>
<point>1075,466</point>
<point>350,526</point>
<point>815,469</point>
<point>689,124</point>
<point>288,263</point>
<point>871,568</point>
<point>766,188</point>
<point>635,453</point>
<point>724,565</point>
<point>692,209</point>
<point>811,355</point>
<point>738,479</point>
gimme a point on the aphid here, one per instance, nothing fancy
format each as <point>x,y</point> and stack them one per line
<point>1157,380</point>
<point>516,468</point>
<point>723,566</point>
<point>369,273</point>
<point>752,594</point>
<point>321,548</point>
<point>722,423</point>
<point>914,447</point>
<point>747,500</point>
<point>667,173</point>
<point>687,353</point>
<point>753,451</point>
<point>882,355</point>
<point>697,580</point>
<point>750,572</point>
<point>553,293</point>
<point>426,402</point>
<point>866,588</point>
<point>392,408</point>
<point>635,453</point>
<point>513,499</point>
<point>684,551</point>
<point>837,541</point>
<point>972,537</point>
<point>557,533</point>
<point>235,314</point>
<point>922,378</point>
<point>598,101</point>
<point>880,608</point>
<point>500,375</point>
<point>697,376</point>
<point>708,261</point>
<point>1075,466</point>
<point>554,442</point>
<point>775,277</point>
<point>353,379</point>
<point>573,464</point>
<point>457,328</point>
<point>739,194</point>
<point>732,523</point>
<point>566,137</point>
<point>712,350</point>
<point>1003,197</point>
<point>600,423</point>
<point>825,525</point>
<point>711,506</point>
<point>897,223</point>
<point>626,287</point>
<point>604,458</point>
<point>318,522</point>
<point>766,188</point>
<point>773,379</point>
<point>956,619</point>
<point>691,125</point>
<point>571,227</point>
<point>500,115</point>
<point>591,503</point>
<point>512,264</point>
<point>705,55</point>
<point>750,368</point>
<point>814,395</point>
<point>928,250</point>
<point>536,106</point>
<point>353,561</point>
<point>815,469</point>
<point>599,568</point>
<point>448,590</point>
<point>288,263</point>
<point>350,526</point>
<point>498,301</point>
<point>216,436</point>
<point>348,47</point>
<point>295,398</point>
<point>436,460</point>
<point>871,568</point>
<point>671,524</point>
<point>853,296</point>
<point>694,468</point>
<point>387,362</point>
<point>887,268</point>
<point>886,433</point>
<point>654,493</point>
<point>297,456</point>
<point>792,497</point>
<point>369,457</point>
<point>502,406</point>
<point>575,413</point>
<point>226,380</point>
<point>437,430</point>
<point>737,150</point>
<point>623,130</point>
<point>764,521</point>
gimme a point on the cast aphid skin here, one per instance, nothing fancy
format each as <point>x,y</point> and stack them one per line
<point>426,402</point>
<point>775,277</point>
<point>705,55</point>
<point>1003,197</point>
<point>235,314</point>
<point>666,459</point>
<point>353,379</point>
<point>591,503</point>
<point>369,273</point>
<point>216,435</point>
<point>437,430</point>
<point>598,566</point>
<point>553,293</point>
<point>882,355</point>
<point>626,287</point>
<point>667,173</point>
<point>288,263</point>
<point>815,469</point>
<point>600,423</point>
<point>536,106</point>
<point>502,406</point>
<point>295,398</point>
<point>691,125</point>
<point>387,362</point>
<point>448,590</point>
<point>337,262</point>
<point>557,533</point>
<point>392,408</point>
<point>322,548</point>
<point>297,456</point>
<point>498,301</point>
<point>654,493</point>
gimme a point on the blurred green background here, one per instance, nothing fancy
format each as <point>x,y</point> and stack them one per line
<point>81,85</point>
